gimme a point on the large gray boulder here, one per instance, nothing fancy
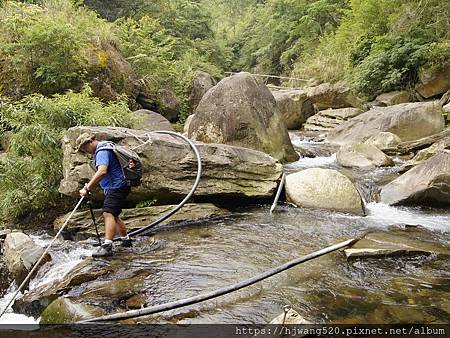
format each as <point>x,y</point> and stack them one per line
<point>409,121</point>
<point>433,81</point>
<point>151,121</point>
<point>384,140</point>
<point>330,118</point>
<point>426,184</point>
<point>170,167</point>
<point>425,154</point>
<point>393,98</point>
<point>324,189</point>
<point>295,107</point>
<point>360,155</point>
<point>327,95</point>
<point>201,83</point>
<point>80,224</point>
<point>241,111</point>
<point>21,253</point>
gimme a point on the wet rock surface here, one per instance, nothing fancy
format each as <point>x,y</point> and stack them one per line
<point>81,225</point>
<point>21,254</point>
<point>35,301</point>
<point>66,311</point>
<point>385,244</point>
<point>426,184</point>
<point>291,317</point>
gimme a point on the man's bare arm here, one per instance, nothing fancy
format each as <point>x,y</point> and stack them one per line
<point>99,174</point>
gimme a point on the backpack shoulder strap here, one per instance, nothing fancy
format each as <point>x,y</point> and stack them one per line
<point>106,146</point>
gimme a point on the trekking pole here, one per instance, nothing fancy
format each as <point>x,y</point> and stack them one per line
<point>89,203</point>
<point>36,265</point>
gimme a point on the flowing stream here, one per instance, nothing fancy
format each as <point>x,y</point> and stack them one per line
<point>189,259</point>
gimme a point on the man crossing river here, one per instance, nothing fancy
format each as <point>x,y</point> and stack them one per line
<point>110,176</point>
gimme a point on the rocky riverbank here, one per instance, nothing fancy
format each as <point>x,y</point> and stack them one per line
<point>397,154</point>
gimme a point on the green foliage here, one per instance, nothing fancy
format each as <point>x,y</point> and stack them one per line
<point>390,64</point>
<point>32,170</point>
<point>45,48</point>
<point>161,59</point>
<point>147,203</point>
<point>280,31</point>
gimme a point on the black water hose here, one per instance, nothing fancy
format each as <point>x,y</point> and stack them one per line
<point>220,292</point>
<point>188,196</point>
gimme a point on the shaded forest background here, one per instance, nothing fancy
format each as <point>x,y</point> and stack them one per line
<point>65,63</point>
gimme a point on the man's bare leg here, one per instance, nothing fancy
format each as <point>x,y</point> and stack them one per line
<point>120,226</point>
<point>110,225</point>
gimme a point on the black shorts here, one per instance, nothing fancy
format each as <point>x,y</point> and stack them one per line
<point>115,200</point>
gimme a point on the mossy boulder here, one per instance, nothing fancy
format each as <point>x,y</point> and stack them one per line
<point>240,110</point>
<point>66,311</point>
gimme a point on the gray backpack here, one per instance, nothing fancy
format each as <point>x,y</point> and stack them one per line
<point>129,161</point>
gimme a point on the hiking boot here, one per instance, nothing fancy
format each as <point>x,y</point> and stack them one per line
<point>126,243</point>
<point>103,251</point>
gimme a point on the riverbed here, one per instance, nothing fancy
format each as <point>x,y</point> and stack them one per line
<point>184,260</point>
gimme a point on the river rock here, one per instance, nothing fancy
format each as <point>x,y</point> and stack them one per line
<point>325,189</point>
<point>362,155</point>
<point>67,311</point>
<point>80,225</point>
<point>109,73</point>
<point>170,168</point>
<point>169,105</point>
<point>187,123</point>
<point>330,118</point>
<point>384,140</point>
<point>294,106</point>
<point>427,183</point>
<point>385,244</point>
<point>409,121</point>
<point>291,317</point>
<point>152,121</point>
<point>241,111</point>
<point>433,81</point>
<point>36,300</point>
<point>428,152</point>
<point>327,95</point>
<point>395,97</point>
<point>21,253</point>
<point>446,108</point>
<point>201,83</point>
<point>5,276</point>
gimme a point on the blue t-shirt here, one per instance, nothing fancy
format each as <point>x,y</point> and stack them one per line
<point>114,176</point>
